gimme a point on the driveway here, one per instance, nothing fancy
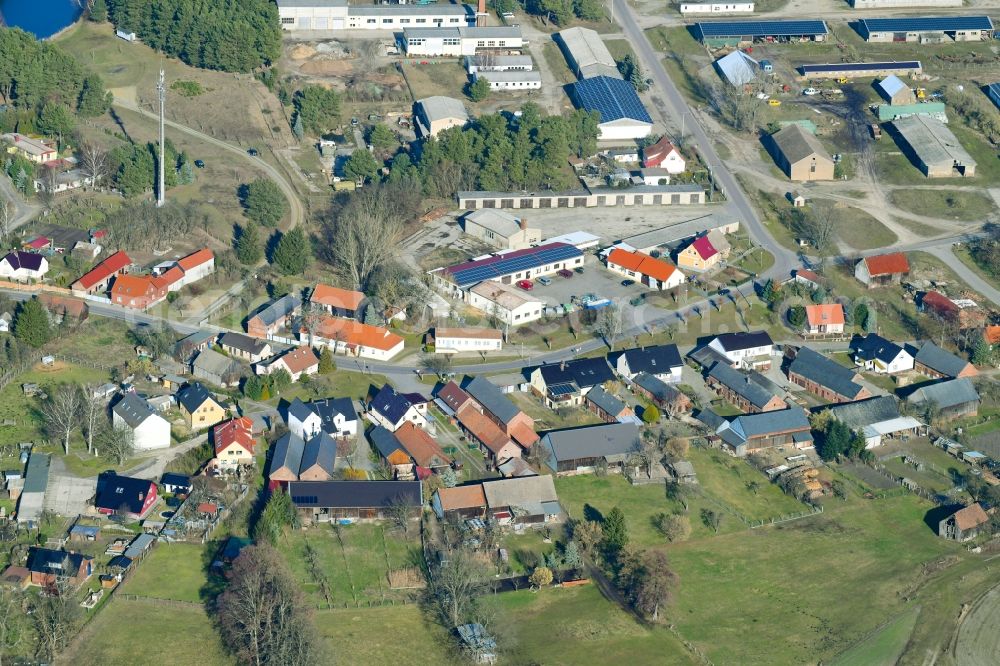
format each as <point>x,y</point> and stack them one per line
<point>69,495</point>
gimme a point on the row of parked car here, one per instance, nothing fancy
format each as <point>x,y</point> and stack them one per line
<point>543,280</point>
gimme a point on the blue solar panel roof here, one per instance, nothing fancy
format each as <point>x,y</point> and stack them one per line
<point>614,99</point>
<point>760,28</point>
<point>474,272</point>
<point>859,66</point>
<point>928,23</point>
<point>561,389</point>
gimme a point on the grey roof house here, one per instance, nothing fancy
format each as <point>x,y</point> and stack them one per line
<point>750,393</point>
<point>215,368</point>
<point>752,432</point>
<point>933,361</point>
<point>661,361</point>
<point>951,398</point>
<point>825,377</point>
<point>523,500</point>
<point>576,450</point>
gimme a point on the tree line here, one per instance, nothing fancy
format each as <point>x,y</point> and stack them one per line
<point>229,35</point>
<point>43,86</point>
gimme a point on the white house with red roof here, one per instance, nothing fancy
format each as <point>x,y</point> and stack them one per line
<point>650,271</point>
<point>97,280</point>
<point>187,270</point>
<point>699,255</point>
<point>296,362</point>
<point>663,154</point>
<point>234,443</point>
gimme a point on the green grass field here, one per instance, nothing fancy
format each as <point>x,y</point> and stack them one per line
<point>356,572</point>
<point>725,478</point>
<point>946,204</point>
<point>125,628</point>
<point>579,626</point>
<point>883,647</point>
<point>860,230</point>
<point>175,571</point>
<point>386,636</point>
<point>806,589</point>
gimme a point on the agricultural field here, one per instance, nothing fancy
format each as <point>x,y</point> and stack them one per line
<point>978,640</point>
<point>884,646</point>
<point>385,636</point>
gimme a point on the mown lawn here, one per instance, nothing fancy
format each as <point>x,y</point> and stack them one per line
<point>125,628</point>
<point>807,589</point>
<point>384,636</point>
<point>356,572</point>
<point>726,479</point>
<point>579,626</point>
<point>591,497</point>
<point>944,204</point>
<point>175,571</point>
<point>883,647</point>
<point>860,230</point>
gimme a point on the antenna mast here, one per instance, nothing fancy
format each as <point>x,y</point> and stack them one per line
<point>161,90</point>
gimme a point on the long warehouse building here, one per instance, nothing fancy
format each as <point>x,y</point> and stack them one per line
<point>586,53</point>
<point>623,115</point>
<point>926,30</point>
<point>933,148</point>
<point>901,4</point>
<point>509,267</point>
<point>860,70</point>
<point>339,15</point>
<point>731,33</point>
<point>460,41</point>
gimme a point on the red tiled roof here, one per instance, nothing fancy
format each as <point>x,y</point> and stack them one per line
<point>172,275</point>
<point>654,155</point>
<point>235,431</point>
<point>887,264</point>
<point>351,332</point>
<point>196,259</point>
<point>939,302</point>
<point>704,248</point>
<point>971,516</point>
<point>992,334</point>
<point>482,428</point>
<point>335,297</point>
<point>807,274</point>
<point>300,359</point>
<point>134,286</point>
<point>421,446</point>
<point>102,271</point>
<point>824,315</point>
<point>641,263</point>
<point>39,243</point>
<point>207,507</point>
<point>524,434</point>
<point>462,497</point>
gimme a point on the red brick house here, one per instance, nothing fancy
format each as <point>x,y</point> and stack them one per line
<point>96,281</point>
<point>138,292</point>
<point>124,495</point>
<point>47,566</point>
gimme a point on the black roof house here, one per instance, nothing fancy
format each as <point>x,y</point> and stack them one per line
<point>115,492</point>
<point>354,494</point>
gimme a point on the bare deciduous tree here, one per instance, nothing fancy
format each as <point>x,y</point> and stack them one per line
<point>93,414</point>
<point>55,616</point>
<point>365,235</point>
<point>6,217</point>
<point>737,106</point>
<point>455,585</point>
<point>93,161</point>
<point>62,413</point>
<point>609,324</point>
<point>12,620</point>
<point>118,444</point>
<point>261,614</point>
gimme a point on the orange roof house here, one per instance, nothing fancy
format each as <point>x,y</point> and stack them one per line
<point>351,337</point>
<point>336,300</point>
<point>96,280</point>
<point>992,334</point>
<point>826,318</point>
<point>138,291</point>
<point>488,434</point>
<point>652,272</point>
<point>882,269</point>
<point>196,259</point>
<point>425,452</point>
<point>468,501</point>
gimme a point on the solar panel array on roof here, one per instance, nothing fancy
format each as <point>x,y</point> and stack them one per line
<point>614,99</point>
<point>859,66</point>
<point>925,24</point>
<point>760,28</point>
<point>561,389</point>
<point>474,272</point>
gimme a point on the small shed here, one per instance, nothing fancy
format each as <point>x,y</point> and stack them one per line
<point>683,472</point>
<point>974,457</point>
<point>796,199</point>
<point>84,533</point>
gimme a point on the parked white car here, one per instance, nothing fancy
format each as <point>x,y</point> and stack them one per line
<point>811,91</point>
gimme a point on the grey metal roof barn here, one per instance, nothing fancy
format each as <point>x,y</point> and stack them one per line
<point>826,372</point>
<point>797,144</point>
<point>940,360</point>
<point>866,27</point>
<point>524,491</point>
<point>439,107</point>
<point>742,385</point>
<point>905,66</point>
<point>586,53</point>
<point>737,68</point>
<point>614,441</point>
<point>949,393</point>
<point>857,415</point>
<point>936,151</point>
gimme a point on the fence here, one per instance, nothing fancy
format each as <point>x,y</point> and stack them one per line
<point>906,484</point>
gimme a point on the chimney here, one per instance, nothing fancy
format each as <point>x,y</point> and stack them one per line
<point>524,223</point>
<point>562,365</point>
<point>481,14</point>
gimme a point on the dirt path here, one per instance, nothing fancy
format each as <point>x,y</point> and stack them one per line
<point>978,638</point>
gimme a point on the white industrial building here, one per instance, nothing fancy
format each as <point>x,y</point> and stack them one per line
<point>339,15</point>
<point>717,7</point>
<point>586,53</point>
<point>438,113</point>
<point>501,230</point>
<point>511,80</point>
<point>507,303</point>
<point>623,115</point>
<point>489,62</point>
<point>460,40</point>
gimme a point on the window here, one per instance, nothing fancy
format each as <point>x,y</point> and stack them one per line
<point>388,20</point>
<point>420,20</point>
<point>404,20</point>
<point>452,41</point>
<point>370,21</point>
<point>286,20</point>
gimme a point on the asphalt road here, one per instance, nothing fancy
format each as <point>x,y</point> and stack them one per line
<point>22,211</point>
<point>784,259</point>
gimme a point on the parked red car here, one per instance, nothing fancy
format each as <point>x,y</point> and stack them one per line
<point>527,285</point>
<point>566,273</point>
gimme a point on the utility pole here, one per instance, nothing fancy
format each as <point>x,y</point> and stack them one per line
<point>161,90</point>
